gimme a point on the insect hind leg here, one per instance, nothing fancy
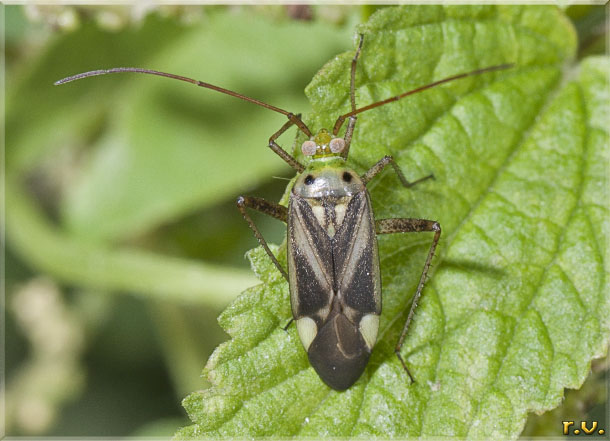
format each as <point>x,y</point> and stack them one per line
<point>272,209</point>
<point>408,225</point>
<point>288,324</point>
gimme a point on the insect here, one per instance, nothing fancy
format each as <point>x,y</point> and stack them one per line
<point>333,261</point>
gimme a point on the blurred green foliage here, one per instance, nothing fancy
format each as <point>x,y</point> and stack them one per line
<point>123,243</point>
<point>120,196</point>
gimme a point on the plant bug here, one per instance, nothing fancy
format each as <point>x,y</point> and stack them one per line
<point>333,262</point>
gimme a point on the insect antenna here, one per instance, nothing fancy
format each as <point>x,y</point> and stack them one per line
<point>352,97</point>
<point>353,112</point>
<point>295,119</point>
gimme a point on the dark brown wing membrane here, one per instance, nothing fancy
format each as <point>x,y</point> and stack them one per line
<point>356,258</point>
<point>309,261</point>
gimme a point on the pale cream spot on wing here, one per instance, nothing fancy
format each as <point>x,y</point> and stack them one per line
<point>318,211</point>
<point>340,214</point>
<point>307,331</point>
<point>369,326</point>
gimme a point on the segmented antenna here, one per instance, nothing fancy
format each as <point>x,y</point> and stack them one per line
<point>292,117</point>
<point>342,118</point>
<point>296,120</point>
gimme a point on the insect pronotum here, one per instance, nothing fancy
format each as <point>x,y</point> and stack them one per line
<point>333,263</point>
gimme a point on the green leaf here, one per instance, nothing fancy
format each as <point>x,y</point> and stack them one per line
<point>516,304</point>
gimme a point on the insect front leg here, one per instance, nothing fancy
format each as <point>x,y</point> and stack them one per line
<point>272,209</point>
<point>377,168</point>
<point>292,162</point>
<point>406,225</point>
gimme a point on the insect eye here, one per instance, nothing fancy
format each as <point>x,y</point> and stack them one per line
<point>308,148</point>
<point>337,145</point>
<point>347,177</point>
<point>309,180</point>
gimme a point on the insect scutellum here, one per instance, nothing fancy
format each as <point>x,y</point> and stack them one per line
<point>333,262</point>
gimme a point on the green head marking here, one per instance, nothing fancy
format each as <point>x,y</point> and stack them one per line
<point>322,138</point>
<point>323,145</point>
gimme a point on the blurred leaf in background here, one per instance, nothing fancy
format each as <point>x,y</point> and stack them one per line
<point>121,224</point>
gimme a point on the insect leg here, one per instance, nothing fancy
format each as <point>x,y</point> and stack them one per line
<point>377,168</point>
<point>292,162</point>
<point>388,226</point>
<point>274,210</point>
<point>288,324</point>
